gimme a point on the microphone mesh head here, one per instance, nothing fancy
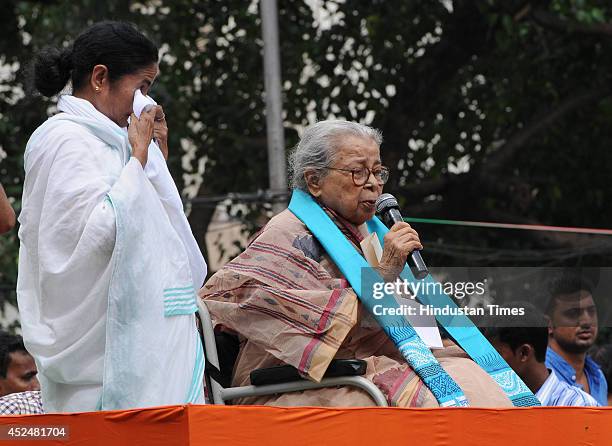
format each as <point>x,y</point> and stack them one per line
<point>384,202</point>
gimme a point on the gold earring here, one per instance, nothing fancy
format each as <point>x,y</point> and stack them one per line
<point>97,88</point>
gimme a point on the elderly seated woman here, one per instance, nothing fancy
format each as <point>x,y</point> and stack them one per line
<point>290,304</point>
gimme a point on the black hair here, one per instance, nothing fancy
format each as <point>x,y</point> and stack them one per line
<point>8,344</point>
<point>118,45</point>
<point>603,356</point>
<point>531,328</point>
<point>566,284</point>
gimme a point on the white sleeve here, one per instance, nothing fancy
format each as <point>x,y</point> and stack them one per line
<point>73,248</point>
<point>158,174</point>
<point>77,223</point>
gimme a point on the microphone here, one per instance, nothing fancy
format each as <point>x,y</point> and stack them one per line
<point>388,210</point>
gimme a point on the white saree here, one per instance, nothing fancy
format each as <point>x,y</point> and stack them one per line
<point>108,269</point>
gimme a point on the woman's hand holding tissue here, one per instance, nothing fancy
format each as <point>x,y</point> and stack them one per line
<point>140,133</point>
<point>143,104</point>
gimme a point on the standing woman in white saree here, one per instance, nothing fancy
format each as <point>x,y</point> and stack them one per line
<point>108,266</point>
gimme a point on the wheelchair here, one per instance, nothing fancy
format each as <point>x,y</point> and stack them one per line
<point>221,351</point>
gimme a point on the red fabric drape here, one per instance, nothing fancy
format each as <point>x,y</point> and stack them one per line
<point>257,425</point>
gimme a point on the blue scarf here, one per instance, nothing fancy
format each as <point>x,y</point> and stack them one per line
<point>351,263</point>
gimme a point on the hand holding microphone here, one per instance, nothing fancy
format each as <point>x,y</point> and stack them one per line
<point>400,243</point>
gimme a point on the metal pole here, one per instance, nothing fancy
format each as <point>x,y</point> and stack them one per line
<point>277,165</point>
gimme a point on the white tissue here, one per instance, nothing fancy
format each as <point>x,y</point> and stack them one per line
<point>142,103</point>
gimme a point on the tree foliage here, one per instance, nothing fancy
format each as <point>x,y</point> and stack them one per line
<point>494,110</point>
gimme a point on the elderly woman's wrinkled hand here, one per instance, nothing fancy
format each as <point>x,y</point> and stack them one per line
<point>140,133</point>
<point>400,241</point>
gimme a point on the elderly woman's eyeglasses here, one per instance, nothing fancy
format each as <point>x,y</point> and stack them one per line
<point>361,175</point>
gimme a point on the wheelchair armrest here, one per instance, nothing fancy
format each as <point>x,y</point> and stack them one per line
<point>286,373</point>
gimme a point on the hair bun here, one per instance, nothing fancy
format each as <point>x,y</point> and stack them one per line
<point>118,46</point>
<point>65,61</point>
<point>52,68</point>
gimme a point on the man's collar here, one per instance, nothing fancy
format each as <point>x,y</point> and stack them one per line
<point>559,363</point>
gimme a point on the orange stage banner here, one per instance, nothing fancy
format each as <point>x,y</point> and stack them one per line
<point>259,425</point>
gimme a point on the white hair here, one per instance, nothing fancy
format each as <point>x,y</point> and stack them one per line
<point>319,144</point>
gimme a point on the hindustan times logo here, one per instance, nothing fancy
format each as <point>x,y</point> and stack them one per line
<point>410,289</point>
<point>447,310</point>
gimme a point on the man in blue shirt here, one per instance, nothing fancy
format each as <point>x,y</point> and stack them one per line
<point>602,354</point>
<point>572,331</point>
<point>521,340</point>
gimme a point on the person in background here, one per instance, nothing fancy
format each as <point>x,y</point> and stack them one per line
<point>19,386</point>
<point>7,214</point>
<point>17,367</point>
<point>522,340</point>
<point>572,332</point>
<point>602,355</point>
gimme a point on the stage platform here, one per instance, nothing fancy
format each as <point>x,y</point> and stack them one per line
<point>258,425</point>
